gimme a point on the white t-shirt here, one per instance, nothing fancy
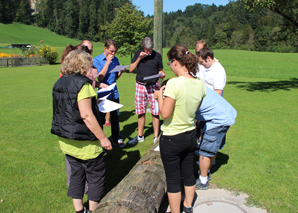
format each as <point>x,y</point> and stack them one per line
<point>201,70</point>
<point>200,74</point>
<point>215,77</point>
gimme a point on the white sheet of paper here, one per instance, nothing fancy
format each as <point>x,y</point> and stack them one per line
<point>109,88</point>
<point>152,76</point>
<point>119,68</point>
<point>108,106</point>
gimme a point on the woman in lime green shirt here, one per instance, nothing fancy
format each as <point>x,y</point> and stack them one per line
<point>182,98</point>
<point>76,123</point>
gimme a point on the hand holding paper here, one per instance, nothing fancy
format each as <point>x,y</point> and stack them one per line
<point>109,88</point>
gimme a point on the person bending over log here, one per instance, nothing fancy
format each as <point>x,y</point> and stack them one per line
<point>178,139</point>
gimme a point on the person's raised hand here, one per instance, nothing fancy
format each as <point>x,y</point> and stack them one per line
<point>109,58</point>
<point>142,55</point>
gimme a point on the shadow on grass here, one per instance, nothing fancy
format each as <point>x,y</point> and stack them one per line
<point>221,159</point>
<point>117,168</point>
<point>271,86</point>
<point>125,115</point>
<point>148,130</point>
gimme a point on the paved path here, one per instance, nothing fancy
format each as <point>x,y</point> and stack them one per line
<point>222,201</point>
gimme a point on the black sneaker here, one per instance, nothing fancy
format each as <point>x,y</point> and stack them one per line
<point>202,186</point>
<point>187,210</point>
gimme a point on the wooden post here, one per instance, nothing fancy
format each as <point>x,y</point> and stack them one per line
<point>141,190</point>
<point>157,35</point>
<point>158,26</point>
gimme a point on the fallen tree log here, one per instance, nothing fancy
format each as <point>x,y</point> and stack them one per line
<point>141,190</point>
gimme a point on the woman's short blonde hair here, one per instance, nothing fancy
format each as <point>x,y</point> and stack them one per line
<point>77,61</point>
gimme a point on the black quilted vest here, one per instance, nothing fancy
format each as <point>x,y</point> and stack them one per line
<point>67,122</point>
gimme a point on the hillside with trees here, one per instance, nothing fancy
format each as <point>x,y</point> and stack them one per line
<point>238,25</point>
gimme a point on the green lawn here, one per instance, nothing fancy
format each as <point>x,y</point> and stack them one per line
<point>259,157</point>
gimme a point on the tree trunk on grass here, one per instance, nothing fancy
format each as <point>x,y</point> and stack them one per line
<point>141,190</point>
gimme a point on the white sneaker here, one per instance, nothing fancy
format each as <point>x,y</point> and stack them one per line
<point>120,143</point>
<point>136,139</point>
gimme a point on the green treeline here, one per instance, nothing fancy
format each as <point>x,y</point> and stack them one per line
<point>230,26</point>
<point>223,27</point>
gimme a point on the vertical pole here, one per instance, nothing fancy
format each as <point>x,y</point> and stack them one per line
<point>158,26</point>
<point>157,36</point>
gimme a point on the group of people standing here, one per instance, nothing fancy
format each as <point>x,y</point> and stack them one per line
<point>78,123</point>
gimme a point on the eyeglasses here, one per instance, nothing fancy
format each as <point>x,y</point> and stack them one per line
<point>170,62</point>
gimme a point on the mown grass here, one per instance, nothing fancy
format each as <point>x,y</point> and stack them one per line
<point>259,157</point>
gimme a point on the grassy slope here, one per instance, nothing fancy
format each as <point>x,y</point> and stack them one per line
<point>20,33</point>
<point>259,157</point>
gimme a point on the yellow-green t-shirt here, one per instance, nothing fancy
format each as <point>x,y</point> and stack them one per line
<point>187,93</point>
<point>83,150</point>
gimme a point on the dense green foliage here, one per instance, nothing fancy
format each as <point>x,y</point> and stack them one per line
<point>82,19</point>
<point>128,29</point>
<point>230,26</point>
<point>287,9</point>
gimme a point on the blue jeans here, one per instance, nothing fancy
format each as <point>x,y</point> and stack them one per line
<point>177,154</point>
<point>114,122</point>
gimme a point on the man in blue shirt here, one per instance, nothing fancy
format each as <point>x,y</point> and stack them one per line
<point>216,115</point>
<point>105,63</point>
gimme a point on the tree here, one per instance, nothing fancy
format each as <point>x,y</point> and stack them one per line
<point>23,14</point>
<point>128,29</point>
<point>92,24</point>
<point>83,20</point>
<point>286,8</point>
<point>71,19</point>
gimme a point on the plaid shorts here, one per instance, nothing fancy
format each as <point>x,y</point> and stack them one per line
<point>144,95</point>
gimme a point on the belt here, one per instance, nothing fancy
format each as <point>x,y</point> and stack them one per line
<point>145,84</point>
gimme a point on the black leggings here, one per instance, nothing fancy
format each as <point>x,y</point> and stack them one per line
<point>177,154</point>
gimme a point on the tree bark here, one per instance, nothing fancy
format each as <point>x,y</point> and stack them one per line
<point>141,190</point>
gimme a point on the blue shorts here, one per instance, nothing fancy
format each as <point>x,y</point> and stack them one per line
<point>212,141</point>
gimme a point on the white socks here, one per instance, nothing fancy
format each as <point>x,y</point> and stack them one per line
<point>203,179</point>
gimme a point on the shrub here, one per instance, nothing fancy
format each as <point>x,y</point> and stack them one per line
<point>286,49</point>
<point>243,47</point>
<point>218,45</point>
<point>50,53</point>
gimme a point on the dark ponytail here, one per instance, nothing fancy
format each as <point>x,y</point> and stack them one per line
<point>185,58</point>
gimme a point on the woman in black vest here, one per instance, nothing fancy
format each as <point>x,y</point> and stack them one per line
<point>76,123</point>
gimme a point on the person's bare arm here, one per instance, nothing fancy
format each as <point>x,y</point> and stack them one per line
<point>92,123</point>
<point>134,65</point>
<point>166,105</point>
<point>218,91</point>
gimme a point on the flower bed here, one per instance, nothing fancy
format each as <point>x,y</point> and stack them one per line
<point>22,61</point>
<point>30,57</point>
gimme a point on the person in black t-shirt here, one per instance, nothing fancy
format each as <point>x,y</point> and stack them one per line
<point>147,62</point>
